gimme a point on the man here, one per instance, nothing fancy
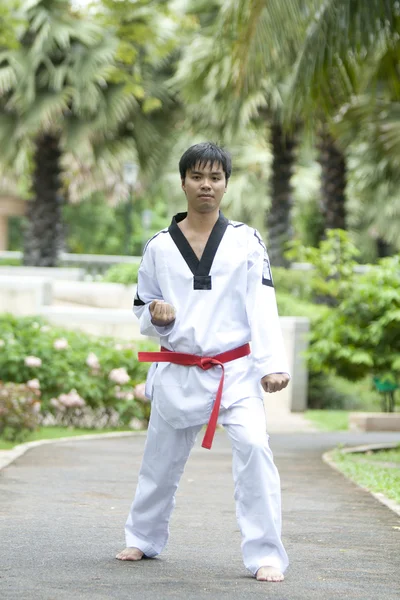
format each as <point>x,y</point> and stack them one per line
<point>205,290</point>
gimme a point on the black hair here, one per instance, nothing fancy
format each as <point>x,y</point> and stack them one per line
<point>203,154</point>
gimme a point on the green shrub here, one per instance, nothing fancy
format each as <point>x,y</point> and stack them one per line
<point>362,335</point>
<point>296,283</point>
<point>70,364</point>
<point>333,265</point>
<point>125,273</point>
<point>290,306</point>
<point>337,393</point>
<point>19,410</point>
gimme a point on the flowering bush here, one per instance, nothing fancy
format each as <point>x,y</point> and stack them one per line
<point>19,410</point>
<point>77,374</point>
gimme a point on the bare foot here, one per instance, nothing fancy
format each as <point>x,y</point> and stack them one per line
<point>269,574</point>
<point>130,554</point>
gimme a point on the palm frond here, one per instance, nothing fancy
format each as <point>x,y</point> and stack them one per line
<point>341,27</point>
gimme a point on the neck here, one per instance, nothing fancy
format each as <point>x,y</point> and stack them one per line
<point>201,222</point>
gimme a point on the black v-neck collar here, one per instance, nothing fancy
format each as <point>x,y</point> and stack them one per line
<point>200,268</point>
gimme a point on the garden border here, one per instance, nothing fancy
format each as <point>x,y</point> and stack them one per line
<point>327,458</point>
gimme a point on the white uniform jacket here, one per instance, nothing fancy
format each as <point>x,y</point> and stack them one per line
<point>222,301</point>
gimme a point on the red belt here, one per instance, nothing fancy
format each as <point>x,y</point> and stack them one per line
<point>205,363</point>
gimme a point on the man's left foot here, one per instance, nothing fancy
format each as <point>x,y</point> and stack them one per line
<point>269,574</point>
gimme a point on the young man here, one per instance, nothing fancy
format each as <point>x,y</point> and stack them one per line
<point>205,290</point>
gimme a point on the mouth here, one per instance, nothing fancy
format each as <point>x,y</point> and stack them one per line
<point>205,196</point>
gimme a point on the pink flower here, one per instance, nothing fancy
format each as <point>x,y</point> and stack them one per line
<point>33,384</point>
<point>119,376</point>
<point>54,402</point>
<point>92,361</point>
<point>139,392</point>
<point>61,344</point>
<point>33,361</point>
<point>36,407</point>
<point>71,400</point>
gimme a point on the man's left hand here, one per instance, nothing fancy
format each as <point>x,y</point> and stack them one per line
<point>275,382</point>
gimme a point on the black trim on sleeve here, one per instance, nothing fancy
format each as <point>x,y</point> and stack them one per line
<point>138,301</point>
<point>267,282</point>
<point>200,268</point>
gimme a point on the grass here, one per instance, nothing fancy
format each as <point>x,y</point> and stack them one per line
<point>374,477</point>
<point>50,433</point>
<point>329,420</point>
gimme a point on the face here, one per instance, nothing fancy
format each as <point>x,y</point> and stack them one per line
<point>204,187</point>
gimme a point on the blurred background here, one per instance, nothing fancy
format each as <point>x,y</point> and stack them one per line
<point>99,99</point>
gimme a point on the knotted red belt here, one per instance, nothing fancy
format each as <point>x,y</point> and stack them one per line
<point>205,363</point>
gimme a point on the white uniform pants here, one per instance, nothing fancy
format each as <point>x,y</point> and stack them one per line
<point>256,479</point>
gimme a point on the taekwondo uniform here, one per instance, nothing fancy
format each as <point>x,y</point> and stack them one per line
<point>222,302</point>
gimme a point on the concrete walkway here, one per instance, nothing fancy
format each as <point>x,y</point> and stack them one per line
<point>63,506</point>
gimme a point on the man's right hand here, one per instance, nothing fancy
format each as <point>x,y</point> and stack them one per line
<point>162,313</point>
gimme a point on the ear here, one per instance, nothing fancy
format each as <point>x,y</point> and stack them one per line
<point>183,185</point>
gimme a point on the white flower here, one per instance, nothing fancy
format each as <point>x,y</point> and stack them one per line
<point>33,384</point>
<point>2,343</point>
<point>136,424</point>
<point>36,407</point>
<point>92,361</point>
<point>54,402</point>
<point>35,325</point>
<point>118,347</point>
<point>60,344</point>
<point>45,328</point>
<point>139,392</point>
<point>119,376</point>
<point>32,361</point>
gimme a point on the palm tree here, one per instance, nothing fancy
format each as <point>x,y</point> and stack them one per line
<point>54,98</point>
<point>67,105</point>
<point>342,39</point>
<point>346,46</point>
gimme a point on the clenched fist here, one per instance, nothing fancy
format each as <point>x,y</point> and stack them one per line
<point>275,382</point>
<point>162,313</point>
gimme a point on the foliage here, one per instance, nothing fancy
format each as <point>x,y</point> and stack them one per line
<point>342,34</point>
<point>332,392</point>
<point>333,262</point>
<point>70,365</point>
<point>375,477</point>
<point>294,282</point>
<point>362,336</point>
<point>94,226</point>
<point>123,273</point>
<point>19,411</point>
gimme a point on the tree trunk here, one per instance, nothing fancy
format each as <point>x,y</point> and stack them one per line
<point>278,220</point>
<point>44,231</point>
<point>383,248</point>
<point>333,182</point>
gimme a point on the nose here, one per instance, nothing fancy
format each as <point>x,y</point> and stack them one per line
<point>206,184</point>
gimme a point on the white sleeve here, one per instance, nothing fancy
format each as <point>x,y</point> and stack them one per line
<point>148,290</point>
<point>267,345</point>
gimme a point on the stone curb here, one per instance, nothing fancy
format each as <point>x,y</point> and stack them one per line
<point>327,458</point>
<point>8,456</point>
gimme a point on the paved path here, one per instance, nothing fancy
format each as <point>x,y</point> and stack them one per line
<point>62,509</point>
